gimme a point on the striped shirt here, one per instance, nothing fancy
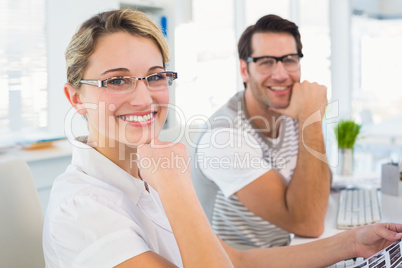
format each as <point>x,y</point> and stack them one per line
<point>230,156</point>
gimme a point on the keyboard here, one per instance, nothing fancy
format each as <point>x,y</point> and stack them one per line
<point>359,263</point>
<point>358,206</point>
<point>347,263</point>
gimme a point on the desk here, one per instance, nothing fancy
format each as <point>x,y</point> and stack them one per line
<point>391,211</point>
<point>45,164</point>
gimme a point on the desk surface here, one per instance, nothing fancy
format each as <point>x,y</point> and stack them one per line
<point>391,211</point>
<point>57,149</point>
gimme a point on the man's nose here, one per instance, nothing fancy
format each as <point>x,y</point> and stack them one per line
<point>280,71</point>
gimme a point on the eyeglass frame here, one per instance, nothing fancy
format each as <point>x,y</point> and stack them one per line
<point>101,83</point>
<point>255,59</point>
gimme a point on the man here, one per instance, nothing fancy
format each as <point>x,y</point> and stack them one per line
<point>260,167</point>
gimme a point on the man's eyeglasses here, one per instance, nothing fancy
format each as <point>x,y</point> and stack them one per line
<point>125,84</point>
<point>267,64</point>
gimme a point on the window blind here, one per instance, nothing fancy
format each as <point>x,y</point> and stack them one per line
<point>23,61</point>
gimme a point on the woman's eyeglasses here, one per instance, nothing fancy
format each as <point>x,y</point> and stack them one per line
<point>125,84</point>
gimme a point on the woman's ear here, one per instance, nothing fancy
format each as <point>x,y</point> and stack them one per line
<point>73,97</point>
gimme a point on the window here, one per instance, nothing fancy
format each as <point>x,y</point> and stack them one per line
<point>377,66</point>
<point>377,94</point>
<point>205,57</point>
<point>315,34</point>
<point>23,71</point>
<point>255,9</point>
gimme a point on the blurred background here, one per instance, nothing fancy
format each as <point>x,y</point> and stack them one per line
<point>351,46</point>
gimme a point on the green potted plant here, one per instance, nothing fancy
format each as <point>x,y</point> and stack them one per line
<point>346,133</point>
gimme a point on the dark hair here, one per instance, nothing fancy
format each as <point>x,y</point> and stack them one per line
<point>267,24</point>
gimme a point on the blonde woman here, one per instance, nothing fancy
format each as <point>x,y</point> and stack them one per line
<point>105,210</point>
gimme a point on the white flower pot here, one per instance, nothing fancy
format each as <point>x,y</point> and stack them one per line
<point>345,167</point>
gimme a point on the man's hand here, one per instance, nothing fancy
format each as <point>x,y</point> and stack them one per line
<point>307,98</point>
<point>372,238</point>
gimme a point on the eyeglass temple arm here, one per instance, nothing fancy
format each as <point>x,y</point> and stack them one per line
<point>97,83</point>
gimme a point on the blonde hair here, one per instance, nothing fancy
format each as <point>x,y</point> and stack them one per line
<point>84,40</point>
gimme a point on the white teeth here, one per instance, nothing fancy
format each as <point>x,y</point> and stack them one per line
<point>278,88</point>
<point>137,118</point>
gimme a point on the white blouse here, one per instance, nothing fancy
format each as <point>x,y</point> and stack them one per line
<point>100,216</point>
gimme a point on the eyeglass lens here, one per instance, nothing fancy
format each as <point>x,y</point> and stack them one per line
<point>268,65</point>
<point>125,84</point>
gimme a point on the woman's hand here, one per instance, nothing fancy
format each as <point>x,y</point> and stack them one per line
<point>163,162</point>
<point>371,239</point>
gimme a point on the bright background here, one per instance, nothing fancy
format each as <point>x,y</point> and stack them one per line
<point>351,46</point>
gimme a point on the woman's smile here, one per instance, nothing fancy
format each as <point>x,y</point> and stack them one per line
<point>139,119</point>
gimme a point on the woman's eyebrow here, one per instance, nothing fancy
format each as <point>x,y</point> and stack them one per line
<point>127,70</point>
<point>115,70</point>
<point>156,67</point>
